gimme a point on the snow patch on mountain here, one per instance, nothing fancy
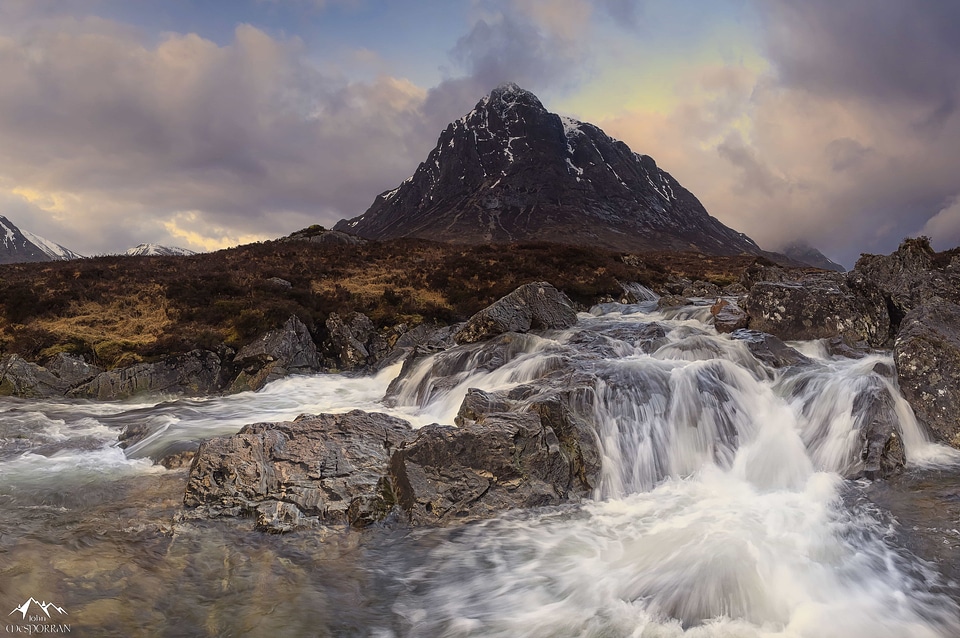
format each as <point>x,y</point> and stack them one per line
<point>18,246</point>
<point>56,252</point>
<point>156,250</point>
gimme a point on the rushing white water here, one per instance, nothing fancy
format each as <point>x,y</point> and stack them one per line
<point>721,509</point>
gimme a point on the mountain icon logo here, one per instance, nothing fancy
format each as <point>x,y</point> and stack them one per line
<point>44,606</point>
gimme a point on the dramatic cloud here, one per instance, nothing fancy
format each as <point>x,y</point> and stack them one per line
<point>245,136</point>
<point>831,122</point>
<point>847,140</point>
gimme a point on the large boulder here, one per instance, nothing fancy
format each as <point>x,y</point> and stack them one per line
<point>276,354</point>
<point>728,316</point>
<point>72,370</point>
<point>501,461</point>
<point>21,378</point>
<point>324,469</point>
<point>359,468</point>
<point>927,356</point>
<point>769,349</point>
<point>536,306</point>
<point>354,341</point>
<point>195,373</point>
<point>818,307</point>
<point>907,278</point>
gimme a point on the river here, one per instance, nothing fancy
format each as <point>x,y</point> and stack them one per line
<point>722,509</point>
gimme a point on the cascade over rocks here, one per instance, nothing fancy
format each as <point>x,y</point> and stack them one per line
<point>927,356</point>
<point>770,349</point>
<point>536,306</point>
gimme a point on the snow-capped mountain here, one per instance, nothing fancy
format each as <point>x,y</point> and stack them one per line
<point>154,250</point>
<point>18,246</point>
<point>512,171</point>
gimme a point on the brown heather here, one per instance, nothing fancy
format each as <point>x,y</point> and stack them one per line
<point>117,310</point>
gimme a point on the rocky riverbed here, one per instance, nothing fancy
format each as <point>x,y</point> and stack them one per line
<point>651,466</point>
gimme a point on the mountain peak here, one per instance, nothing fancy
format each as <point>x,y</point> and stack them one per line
<point>509,96</point>
<point>18,246</point>
<point>509,170</point>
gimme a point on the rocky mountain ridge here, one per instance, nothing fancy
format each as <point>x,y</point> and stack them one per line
<point>512,171</point>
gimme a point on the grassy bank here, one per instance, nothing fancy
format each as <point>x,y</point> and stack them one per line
<point>118,310</point>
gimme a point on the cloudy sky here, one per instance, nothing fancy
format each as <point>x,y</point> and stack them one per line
<point>207,123</point>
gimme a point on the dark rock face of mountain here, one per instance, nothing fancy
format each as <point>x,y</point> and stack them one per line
<point>19,246</point>
<point>512,171</point>
<point>806,254</point>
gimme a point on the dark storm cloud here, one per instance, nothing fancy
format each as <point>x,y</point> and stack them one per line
<point>874,87</point>
<point>887,50</point>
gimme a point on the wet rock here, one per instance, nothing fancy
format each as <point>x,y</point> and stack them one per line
<point>728,316</point>
<point>536,306</point>
<point>770,349</point>
<point>444,371</point>
<point>194,373</point>
<point>617,339</point>
<point>477,403</point>
<point>818,307</point>
<point>419,341</point>
<point>838,347</point>
<point>735,289</point>
<point>671,301</point>
<point>882,451</point>
<point>331,467</point>
<point>72,370</point>
<point>21,378</point>
<point>499,462</point>
<point>907,278</point>
<point>635,293</point>
<point>927,357</point>
<point>178,460</point>
<point>354,342</point>
<point>578,437</point>
<point>276,354</point>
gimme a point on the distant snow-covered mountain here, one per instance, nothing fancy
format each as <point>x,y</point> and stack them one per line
<point>806,254</point>
<point>155,250</point>
<point>17,246</point>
